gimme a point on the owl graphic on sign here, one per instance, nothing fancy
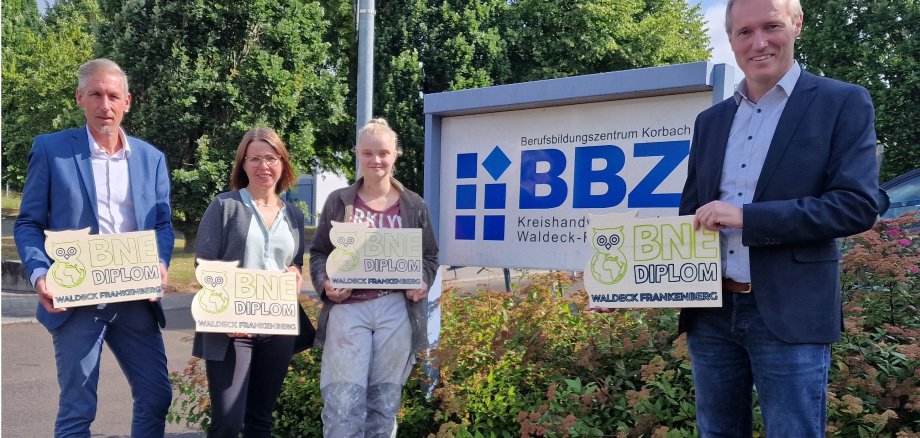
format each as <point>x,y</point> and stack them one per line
<point>344,258</point>
<point>68,271</point>
<point>608,266</point>
<point>212,275</point>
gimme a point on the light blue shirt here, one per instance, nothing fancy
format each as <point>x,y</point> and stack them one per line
<point>748,142</point>
<point>269,248</point>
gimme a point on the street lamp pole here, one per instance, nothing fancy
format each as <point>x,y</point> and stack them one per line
<point>365,104</point>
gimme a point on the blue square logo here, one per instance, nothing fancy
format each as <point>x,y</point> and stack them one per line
<point>495,196</point>
<point>493,227</point>
<point>465,228</point>
<point>466,197</point>
<point>466,165</point>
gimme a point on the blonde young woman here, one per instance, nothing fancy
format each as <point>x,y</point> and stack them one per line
<point>370,336</point>
<point>252,225</point>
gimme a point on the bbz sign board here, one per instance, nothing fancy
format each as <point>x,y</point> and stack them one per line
<point>517,187</point>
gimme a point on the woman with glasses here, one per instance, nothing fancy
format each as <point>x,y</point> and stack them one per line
<point>370,336</point>
<point>252,225</point>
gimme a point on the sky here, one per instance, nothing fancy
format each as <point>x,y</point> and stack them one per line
<point>714,13</point>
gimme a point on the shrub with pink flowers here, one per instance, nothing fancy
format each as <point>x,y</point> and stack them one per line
<point>885,260</point>
<point>875,379</point>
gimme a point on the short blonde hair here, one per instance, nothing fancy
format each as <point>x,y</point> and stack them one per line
<point>378,126</point>
<point>793,9</point>
<point>96,66</point>
<point>238,177</point>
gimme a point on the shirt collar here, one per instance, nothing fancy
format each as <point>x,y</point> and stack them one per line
<point>95,150</point>
<point>785,84</point>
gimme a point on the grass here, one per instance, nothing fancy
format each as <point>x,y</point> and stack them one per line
<point>10,204</point>
<point>182,270</point>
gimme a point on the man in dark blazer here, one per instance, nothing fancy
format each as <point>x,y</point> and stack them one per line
<point>781,169</point>
<point>98,177</point>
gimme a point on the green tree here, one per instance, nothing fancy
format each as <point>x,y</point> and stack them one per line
<point>873,43</point>
<point>40,61</point>
<point>550,39</point>
<point>426,47</point>
<point>335,141</point>
<point>435,46</point>
<point>205,72</point>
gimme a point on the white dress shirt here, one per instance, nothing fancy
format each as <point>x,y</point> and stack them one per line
<point>114,205</point>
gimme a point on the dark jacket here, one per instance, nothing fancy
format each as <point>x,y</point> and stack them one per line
<point>222,236</point>
<point>819,182</point>
<point>414,214</point>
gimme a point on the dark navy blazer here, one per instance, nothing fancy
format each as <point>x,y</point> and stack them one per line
<point>60,194</point>
<point>819,182</point>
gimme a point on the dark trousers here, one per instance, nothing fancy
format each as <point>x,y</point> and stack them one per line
<point>245,385</point>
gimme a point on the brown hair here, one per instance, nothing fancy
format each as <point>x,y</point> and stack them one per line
<point>238,177</point>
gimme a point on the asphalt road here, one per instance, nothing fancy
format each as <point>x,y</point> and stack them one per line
<point>30,391</point>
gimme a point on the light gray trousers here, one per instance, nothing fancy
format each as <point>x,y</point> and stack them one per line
<point>366,360</point>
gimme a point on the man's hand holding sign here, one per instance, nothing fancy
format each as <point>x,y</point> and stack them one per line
<point>657,262</point>
<point>95,269</point>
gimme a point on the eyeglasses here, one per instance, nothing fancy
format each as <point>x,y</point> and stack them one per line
<point>269,160</point>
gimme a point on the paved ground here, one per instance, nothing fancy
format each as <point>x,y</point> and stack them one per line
<point>29,382</point>
<point>28,379</point>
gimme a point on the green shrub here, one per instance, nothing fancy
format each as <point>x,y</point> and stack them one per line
<point>193,405</point>
<point>532,362</point>
<point>875,379</point>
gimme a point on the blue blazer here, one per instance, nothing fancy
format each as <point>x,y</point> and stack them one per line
<point>60,194</point>
<point>819,182</point>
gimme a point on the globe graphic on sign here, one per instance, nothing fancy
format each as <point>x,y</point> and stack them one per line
<point>607,268</point>
<point>344,261</point>
<point>68,275</point>
<point>213,300</point>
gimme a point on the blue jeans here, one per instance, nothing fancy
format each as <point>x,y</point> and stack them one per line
<point>131,332</point>
<point>732,351</point>
<point>367,359</point>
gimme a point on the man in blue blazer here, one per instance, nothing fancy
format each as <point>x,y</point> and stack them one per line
<point>781,169</point>
<point>98,177</point>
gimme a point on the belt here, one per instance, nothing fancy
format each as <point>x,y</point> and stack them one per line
<point>729,285</point>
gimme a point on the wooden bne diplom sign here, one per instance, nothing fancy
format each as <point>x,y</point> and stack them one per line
<point>236,300</point>
<point>374,258</point>
<point>90,269</point>
<point>657,262</point>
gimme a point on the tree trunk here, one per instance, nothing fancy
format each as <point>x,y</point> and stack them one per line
<point>190,238</point>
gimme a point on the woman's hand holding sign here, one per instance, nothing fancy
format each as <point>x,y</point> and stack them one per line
<point>336,294</point>
<point>418,294</point>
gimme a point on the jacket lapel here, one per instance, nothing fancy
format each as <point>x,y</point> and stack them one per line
<point>796,108</point>
<point>136,171</point>
<point>724,119</point>
<point>81,155</point>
